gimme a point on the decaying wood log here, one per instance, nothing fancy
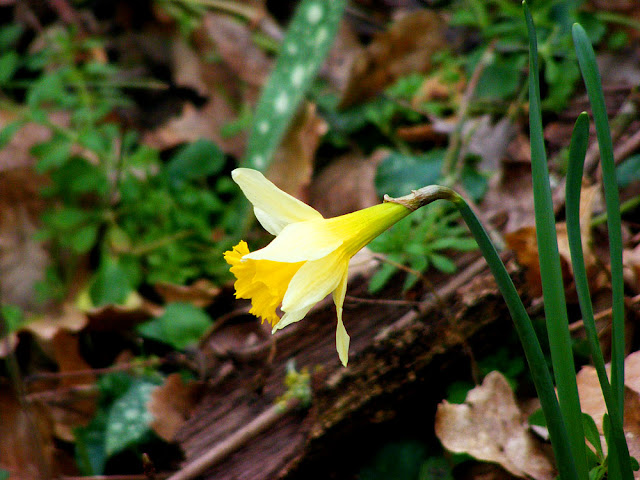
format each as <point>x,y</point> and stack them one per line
<point>401,359</point>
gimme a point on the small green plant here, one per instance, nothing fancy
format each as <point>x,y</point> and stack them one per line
<point>501,22</point>
<point>143,219</point>
<point>122,421</point>
<point>420,241</point>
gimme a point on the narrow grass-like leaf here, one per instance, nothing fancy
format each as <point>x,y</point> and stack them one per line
<point>577,152</point>
<point>533,352</point>
<point>305,45</point>
<point>550,271</point>
<point>591,76</point>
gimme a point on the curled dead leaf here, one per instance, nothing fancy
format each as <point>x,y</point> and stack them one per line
<point>406,47</point>
<point>171,405</point>
<point>200,293</point>
<point>489,426</point>
<point>525,245</point>
<point>292,164</point>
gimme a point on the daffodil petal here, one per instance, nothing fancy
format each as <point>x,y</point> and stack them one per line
<point>314,281</point>
<point>291,317</point>
<point>274,208</point>
<point>342,342</point>
<point>298,242</point>
<point>342,337</point>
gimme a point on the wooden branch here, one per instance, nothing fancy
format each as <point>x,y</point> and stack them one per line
<point>399,356</point>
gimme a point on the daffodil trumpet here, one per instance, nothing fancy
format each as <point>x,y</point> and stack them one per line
<point>309,257</point>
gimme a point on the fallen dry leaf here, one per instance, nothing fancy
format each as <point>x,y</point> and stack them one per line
<point>347,184</point>
<point>234,43</point>
<point>26,441</point>
<point>489,426</point>
<point>631,266</point>
<point>292,165</point>
<point>592,401</point>
<point>23,260</point>
<point>71,409</point>
<point>525,245</point>
<point>406,47</point>
<point>200,293</point>
<point>171,405</point>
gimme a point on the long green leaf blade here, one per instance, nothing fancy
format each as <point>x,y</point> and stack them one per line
<point>550,271</point>
<point>577,152</point>
<point>530,344</point>
<point>591,76</point>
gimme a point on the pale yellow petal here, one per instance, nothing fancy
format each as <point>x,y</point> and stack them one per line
<point>298,242</point>
<point>342,342</point>
<point>342,337</point>
<point>314,281</point>
<point>291,317</point>
<point>274,208</point>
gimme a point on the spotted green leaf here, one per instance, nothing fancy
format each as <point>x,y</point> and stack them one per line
<point>306,44</point>
<point>128,419</point>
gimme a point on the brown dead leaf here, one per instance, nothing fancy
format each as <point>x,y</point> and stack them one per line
<point>68,319</point>
<point>631,265</point>
<point>71,409</point>
<point>194,124</point>
<point>406,47</point>
<point>116,317</point>
<point>347,184</point>
<point>171,405</point>
<point>344,52</point>
<point>525,245</point>
<point>234,43</point>
<point>26,441</point>
<point>22,259</point>
<point>592,401</point>
<point>489,426</point>
<point>200,293</point>
<point>292,164</point>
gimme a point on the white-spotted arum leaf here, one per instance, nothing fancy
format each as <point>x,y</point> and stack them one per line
<point>128,419</point>
<point>305,45</point>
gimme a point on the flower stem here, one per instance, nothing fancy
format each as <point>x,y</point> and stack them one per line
<point>533,352</point>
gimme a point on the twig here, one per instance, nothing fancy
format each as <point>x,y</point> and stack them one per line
<point>115,477</point>
<point>451,158</point>
<point>579,324</point>
<point>381,301</point>
<point>122,367</point>
<point>234,441</point>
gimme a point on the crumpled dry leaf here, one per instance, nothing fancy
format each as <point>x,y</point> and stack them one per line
<point>71,409</point>
<point>171,405</point>
<point>194,124</point>
<point>347,184</point>
<point>19,452</point>
<point>592,401</point>
<point>406,47</point>
<point>525,245</point>
<point>292,165</point>
<point>631,266</point>
<point>22,259</point>
<point>200,293</point>
<point>489,426</point>
<point>234,43</point>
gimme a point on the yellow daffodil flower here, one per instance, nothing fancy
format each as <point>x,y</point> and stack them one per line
<point>309,257</point>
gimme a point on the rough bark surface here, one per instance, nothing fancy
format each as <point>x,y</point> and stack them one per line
<point>400,361</point>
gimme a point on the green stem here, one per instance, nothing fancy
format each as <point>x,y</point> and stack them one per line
<point>532,350</point>
<point>593,83</point>
<point>577,152</point>
<point>550,270</point>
